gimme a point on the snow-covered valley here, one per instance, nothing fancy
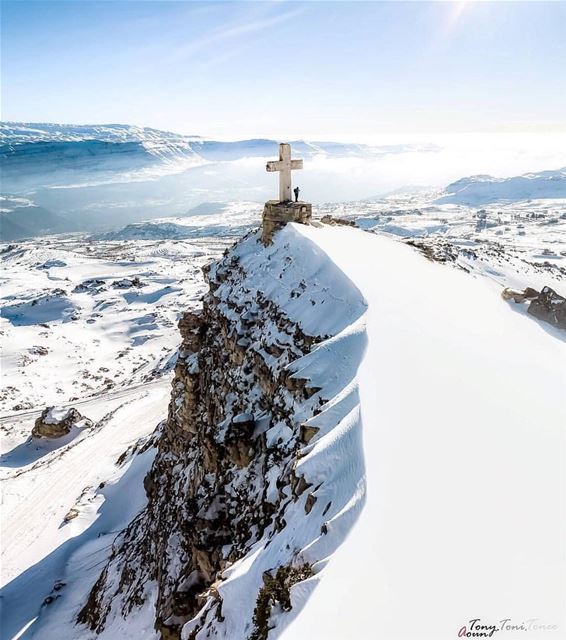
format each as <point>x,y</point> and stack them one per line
<point>351,406</point>
<point>101,314</point>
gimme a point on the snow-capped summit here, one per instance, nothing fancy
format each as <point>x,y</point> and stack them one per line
<point>483,189</point>
<point>28,132</point>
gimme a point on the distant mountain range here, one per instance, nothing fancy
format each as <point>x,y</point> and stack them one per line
<point>478,190</point>
<point>28,150</point>
<point>60,178</point>
<point>98,177</point>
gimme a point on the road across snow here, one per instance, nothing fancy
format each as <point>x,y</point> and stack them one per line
<point>462,401</point>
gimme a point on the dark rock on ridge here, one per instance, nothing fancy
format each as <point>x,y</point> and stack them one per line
<point>550,307</point>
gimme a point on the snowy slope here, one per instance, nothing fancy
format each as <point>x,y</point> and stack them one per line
<point>462,403</point>
<point>516,244</point>
<point>78,331</point>
<point>89,477</point>
<point>102,314</point>
<point>462,414</point>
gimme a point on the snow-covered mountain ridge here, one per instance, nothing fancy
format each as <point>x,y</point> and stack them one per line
<point>239,487</point>
<point>14,134</point>
<point>220,522</point>
<point>483,189</point>
<point>260,469</point>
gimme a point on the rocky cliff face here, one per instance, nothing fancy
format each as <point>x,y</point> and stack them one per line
<point>243,502</point>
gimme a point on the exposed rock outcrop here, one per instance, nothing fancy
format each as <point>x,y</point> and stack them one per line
<point>519,296</point>
<point>127,283</point>
<point>334,221</point>
<point>276,592</point>
<point>277,214</point>
<point>546,305</point>
<point>226,475</point>
<point>550,307</point>
<point>55,422</point>
<point>92,285</point>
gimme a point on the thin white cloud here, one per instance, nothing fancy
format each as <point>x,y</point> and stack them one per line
<point>231,31</point>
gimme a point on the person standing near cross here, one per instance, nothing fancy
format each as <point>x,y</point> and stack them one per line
<point>285,165</point>
<point>277,213</point>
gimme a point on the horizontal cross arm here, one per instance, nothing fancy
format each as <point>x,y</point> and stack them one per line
<point>275,165</point>
<point>280,165</point>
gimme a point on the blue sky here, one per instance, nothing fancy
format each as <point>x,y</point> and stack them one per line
<point>319,69</point>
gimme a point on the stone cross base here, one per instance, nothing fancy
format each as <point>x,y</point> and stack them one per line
<point>277,214</point>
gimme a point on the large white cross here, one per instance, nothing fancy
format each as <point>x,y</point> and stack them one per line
<point>284,165</point>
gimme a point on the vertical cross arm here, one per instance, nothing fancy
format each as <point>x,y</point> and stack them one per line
<point>284,151</point>
<point>284,165</point>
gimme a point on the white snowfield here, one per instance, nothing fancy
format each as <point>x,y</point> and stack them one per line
<point>68,500</point>
<point>101,315</point>
<point>464,416</point>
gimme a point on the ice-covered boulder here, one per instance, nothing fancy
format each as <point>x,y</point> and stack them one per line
<point>55,422</point>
